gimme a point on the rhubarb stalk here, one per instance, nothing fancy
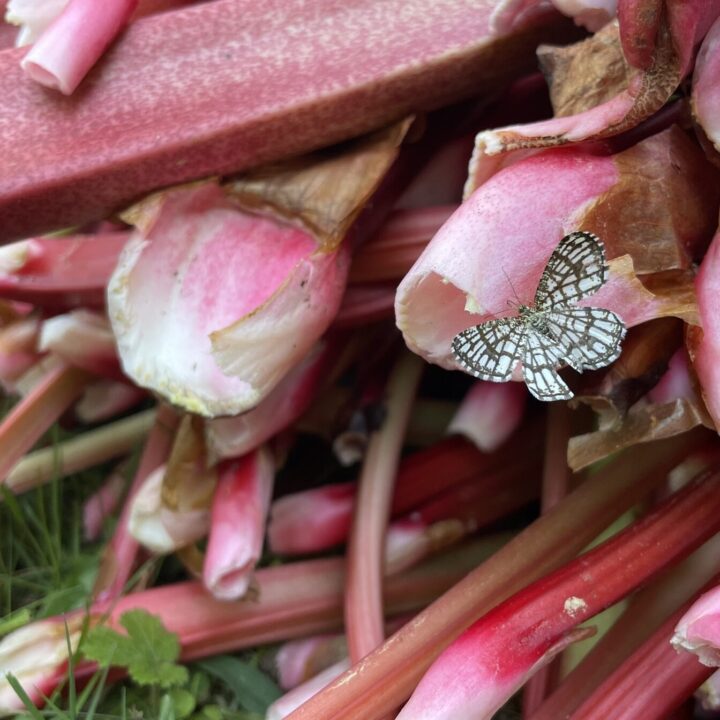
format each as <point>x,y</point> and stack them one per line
<point>385,678</point>
<point>366,551</point>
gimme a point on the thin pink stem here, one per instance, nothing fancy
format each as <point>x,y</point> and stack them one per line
<point>119,557</point>
<point>37,411</point>
<point>62,273</point>
<point>366,549</point>
<point>386,677</point>
<point>237,524</point>
<point>75,41</point>
<point>391,253</point>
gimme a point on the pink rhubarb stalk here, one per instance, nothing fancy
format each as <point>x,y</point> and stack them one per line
<point>219,352</point>
<point>384,679</point>
<point>292,700</point>
<point>366,549</point>
<point>68,162</point>
<point>651,683</point>
<point>706,352</point>
<point>490,413</point>
<point>107,399</point>
<point>59,273</point>
<point>293,600</point>
<point>82,338</point>
<point>102,504</point>
<point>481,670</point>
<point>299,660</point>
<point>118,560</point>
<point>74,42</point>
<point>25,424</point>
<point>449,477</point>
<point>237,523</point>
<point>235,436</point>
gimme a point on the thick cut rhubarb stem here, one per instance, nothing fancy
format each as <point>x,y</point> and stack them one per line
<point>651,683</point>
<point>36,412</point>
<point>479,672</point>
<point>366,551</point>
<point>384,679</point>
<point>648,608</point>
<point>218,87</point>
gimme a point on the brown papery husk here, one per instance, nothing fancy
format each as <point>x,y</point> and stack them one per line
<point>324,191</point>
<point>643,423</point>
<point>586,73</point>
<point>188,483</point>
<point>673,224</point>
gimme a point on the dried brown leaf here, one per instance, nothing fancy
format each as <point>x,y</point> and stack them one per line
<point>586,73</point>
<point>188,483</point>
<point>663,209</point>
<point>643,423</point>
<point>325,190</point>
<point>646,353</point>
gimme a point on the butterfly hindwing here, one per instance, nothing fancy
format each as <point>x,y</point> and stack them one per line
<point>541,356</point>
<point>576,269</point>
<point>590,337</point>
<point>491,350</point>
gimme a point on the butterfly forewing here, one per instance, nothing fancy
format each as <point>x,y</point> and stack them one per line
<point>491,350</point>
<point>576,269</point>
<point>590,337</point>
<point>541,356</point>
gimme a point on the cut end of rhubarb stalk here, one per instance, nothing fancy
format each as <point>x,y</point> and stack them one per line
<point>698,631</point>
<point>211,306</point>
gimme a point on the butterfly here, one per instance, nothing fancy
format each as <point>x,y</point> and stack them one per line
<point>551,331</point>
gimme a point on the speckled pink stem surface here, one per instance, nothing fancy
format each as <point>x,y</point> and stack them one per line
<point>226,85</point>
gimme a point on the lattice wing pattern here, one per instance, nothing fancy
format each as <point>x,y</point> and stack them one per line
<point>576,269</point>
<point>590,337</point>
<point>540,358</point>
<point>491,350</point>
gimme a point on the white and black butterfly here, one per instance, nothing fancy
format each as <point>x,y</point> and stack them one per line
<point>552,330</point>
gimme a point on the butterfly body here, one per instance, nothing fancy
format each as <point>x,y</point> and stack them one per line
<point>553,329</point>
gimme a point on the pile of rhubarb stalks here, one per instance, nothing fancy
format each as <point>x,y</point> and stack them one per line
<point>239,239</point>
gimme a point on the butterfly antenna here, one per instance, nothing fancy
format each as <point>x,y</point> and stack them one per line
<point>519,302</point>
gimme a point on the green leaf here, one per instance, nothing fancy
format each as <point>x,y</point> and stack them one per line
<point>148,651</point>
<point>253,690</point>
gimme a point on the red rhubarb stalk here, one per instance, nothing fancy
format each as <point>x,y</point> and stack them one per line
<point>36,412</point>
<point>556,482</point>
<point>479,672</point>
<point>384,679</point>
<point>647,609</point>
<point>650,684</point>
<point>366,549</point>
<point>217,88</point>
